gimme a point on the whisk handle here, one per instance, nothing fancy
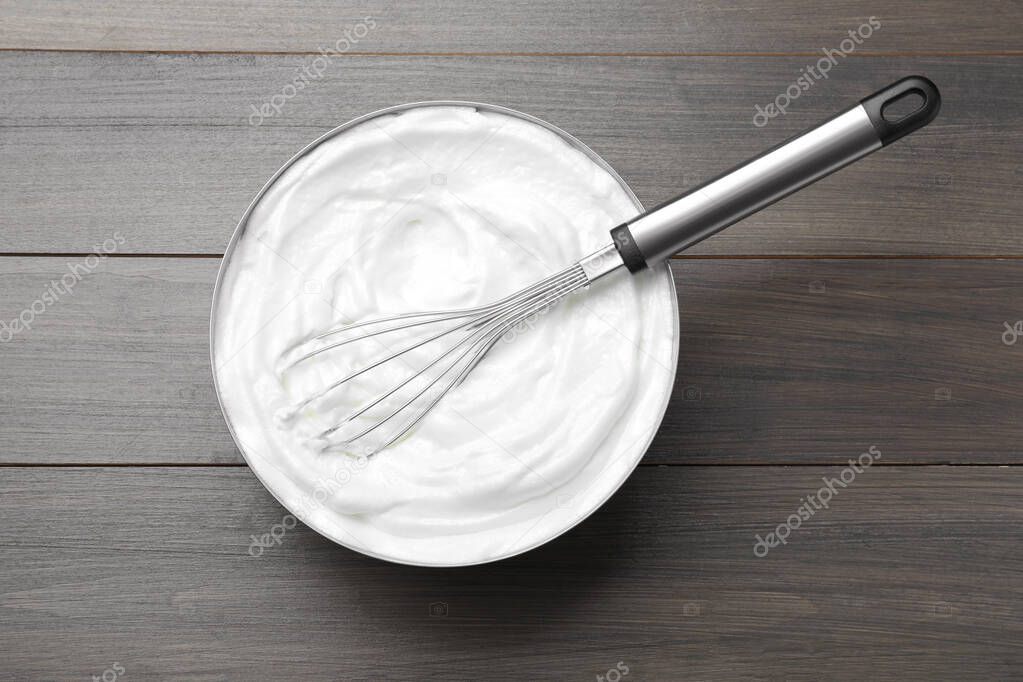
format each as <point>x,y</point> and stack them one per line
<point>711,207</point>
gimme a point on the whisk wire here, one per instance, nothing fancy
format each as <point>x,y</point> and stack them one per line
<point>482,327</point>
<point>479,328</point>
<point>515,299</point>
<point>481,340</point>
<point>445,315</point>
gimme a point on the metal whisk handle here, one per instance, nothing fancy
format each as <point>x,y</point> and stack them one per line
<point>711,207</point>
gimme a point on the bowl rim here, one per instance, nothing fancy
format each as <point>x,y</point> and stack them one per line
<point>239,230</point>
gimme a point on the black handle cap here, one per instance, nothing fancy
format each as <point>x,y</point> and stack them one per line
<point>891,130</point>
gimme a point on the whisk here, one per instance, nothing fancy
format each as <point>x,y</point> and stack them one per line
<point>462,337</point>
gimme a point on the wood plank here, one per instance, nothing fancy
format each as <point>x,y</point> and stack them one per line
<point>119,367</point>
<point>782,361</point>
<point>158,147</point>
<point>600,26</point>
<point>911,573</point>
<point>824,358</point>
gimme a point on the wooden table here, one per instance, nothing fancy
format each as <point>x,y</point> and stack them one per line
<point>875,309</point>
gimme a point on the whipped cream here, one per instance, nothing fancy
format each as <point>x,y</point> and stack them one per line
<point>439,207</point>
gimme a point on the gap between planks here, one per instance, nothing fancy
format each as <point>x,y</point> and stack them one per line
<point>668,55</point>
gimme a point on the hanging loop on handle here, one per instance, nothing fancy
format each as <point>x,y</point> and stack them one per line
<point>879,105</point>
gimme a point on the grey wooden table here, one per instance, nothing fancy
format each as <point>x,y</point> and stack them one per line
<point>876,309</point>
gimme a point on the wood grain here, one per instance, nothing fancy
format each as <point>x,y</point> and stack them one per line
<point>782,361</point>
<point>875,319</point>
<point>120,366</point>
<point>911,573</point>
<point>158,147</point>
<point>601,26</point>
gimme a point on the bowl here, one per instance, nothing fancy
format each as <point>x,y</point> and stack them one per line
<point>616,475</point>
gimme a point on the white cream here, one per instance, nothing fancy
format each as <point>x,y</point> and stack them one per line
<point>441,207</point>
